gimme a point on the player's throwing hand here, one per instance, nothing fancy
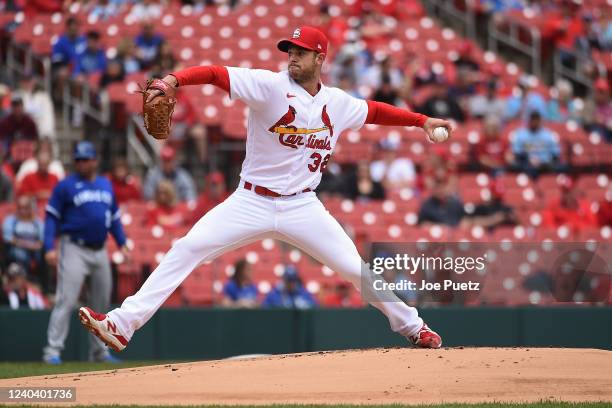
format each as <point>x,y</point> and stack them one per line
<point>432,123</point>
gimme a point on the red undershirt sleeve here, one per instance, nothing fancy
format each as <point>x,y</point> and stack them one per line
<point>209,74</point>
<point>380,113</point>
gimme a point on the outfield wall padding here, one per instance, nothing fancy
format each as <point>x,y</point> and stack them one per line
<point>193,334</point>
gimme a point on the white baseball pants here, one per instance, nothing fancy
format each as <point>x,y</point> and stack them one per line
<point>245,217</point>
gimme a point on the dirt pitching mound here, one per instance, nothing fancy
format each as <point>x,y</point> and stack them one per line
<point>357,376</point>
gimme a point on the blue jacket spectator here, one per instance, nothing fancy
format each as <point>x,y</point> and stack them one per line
<point>290,293</point>
<point>562,107</point>
<point>69,44</point>
<point>240,291</point>
<point>535,148</point>
<point>92,59</point>
<point>147,44</point>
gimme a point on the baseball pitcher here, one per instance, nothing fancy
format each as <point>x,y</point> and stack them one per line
<point>293,126</point>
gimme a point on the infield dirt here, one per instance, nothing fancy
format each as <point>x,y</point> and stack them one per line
<point>376,376</point>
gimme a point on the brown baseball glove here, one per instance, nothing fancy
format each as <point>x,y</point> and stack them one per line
<point>158,110</point>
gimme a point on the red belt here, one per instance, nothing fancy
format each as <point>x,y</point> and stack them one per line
<point>266,192</point>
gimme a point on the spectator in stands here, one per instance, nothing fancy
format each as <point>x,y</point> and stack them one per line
<point>104,9</point>
<point>463,88</point>
<point>383,75</point>
<point>604,209</point>
<point>18,293</point>
<point>525,101</point>
<point>597,116</point>
<point>31,165</point>
<point>438,167</point>
<point>146,10</point>
<point>442,207</point>
<point>147,44</point>
<point>489,104</point>
<point>393,172</point>
<point>348,85</point>
<point>92,59</point>
<point>37,103</point>
<point>502,6</point>
<point>440,105</point>
<point>17,125</point>
<point>215,192</point>
<point>113,73</point>
<point>535,148</point>
<point>493,212</point>
<point>239,290</point>
<point>22,234</point>
<point>40,183</point>
<point>183,119</point>
<point>387,93</point>
<point>361,186</point>
<point>561,107</point>
<point>165,211</point>
<point>342,296</point>
<point>127,55</point>
<point>183,183</point>
<point>570,209</point>
<point>68,44</point>
<point>164,62</point>
<point>492,153</point>
<point>126,186</point>
<point>289,292</point>
<point>466,60</point>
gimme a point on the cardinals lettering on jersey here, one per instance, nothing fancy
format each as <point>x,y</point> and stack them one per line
<point>291,136</point>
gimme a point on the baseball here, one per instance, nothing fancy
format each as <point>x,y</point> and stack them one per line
<point>439,134</point>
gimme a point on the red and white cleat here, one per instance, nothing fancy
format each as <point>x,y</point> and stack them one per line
<point>426,338</point>
<point>100,325</point>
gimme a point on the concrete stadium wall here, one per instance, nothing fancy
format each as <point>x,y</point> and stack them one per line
<point>193,334</point>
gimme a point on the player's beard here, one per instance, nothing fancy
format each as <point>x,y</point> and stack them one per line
<point>303,74</point>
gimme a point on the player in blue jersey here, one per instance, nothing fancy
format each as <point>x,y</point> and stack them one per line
<point>82,211</point>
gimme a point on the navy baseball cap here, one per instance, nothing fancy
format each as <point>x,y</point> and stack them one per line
<point>84,151</point>
<point>291,274</point>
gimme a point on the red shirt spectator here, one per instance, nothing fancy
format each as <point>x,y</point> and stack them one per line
<point>492,150</point>
<point>342,296</point>
<point>604,213</point>
<point>215,193</point>
<point>39,184</point>
<point>125,185</point>
<point>569,210</point>
<point>165,211</point>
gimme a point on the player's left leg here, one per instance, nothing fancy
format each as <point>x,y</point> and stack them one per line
<point>100,289</point>
<point>305,223</point>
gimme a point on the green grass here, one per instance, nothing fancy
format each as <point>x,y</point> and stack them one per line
<point>26,369</point>
<point>544,404</point>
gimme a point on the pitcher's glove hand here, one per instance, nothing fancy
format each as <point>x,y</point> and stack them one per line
<point>158,100</point>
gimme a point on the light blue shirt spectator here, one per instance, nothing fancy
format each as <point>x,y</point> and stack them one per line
<point>539,145</point>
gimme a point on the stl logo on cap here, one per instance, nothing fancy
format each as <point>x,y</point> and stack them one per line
<point>297,33</point>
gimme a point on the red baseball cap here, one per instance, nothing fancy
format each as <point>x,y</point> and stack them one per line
<point>306,37</point>
<point>167,153</point>
<point>602,85</point>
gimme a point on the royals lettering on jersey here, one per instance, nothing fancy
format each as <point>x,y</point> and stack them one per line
<point>86,210</point>
<point>290,133</point>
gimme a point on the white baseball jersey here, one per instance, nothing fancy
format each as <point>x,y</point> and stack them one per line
<point>290,133</point>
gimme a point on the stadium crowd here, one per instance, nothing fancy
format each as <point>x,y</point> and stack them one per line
<point>466,91</point>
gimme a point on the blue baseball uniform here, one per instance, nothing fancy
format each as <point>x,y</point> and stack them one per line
<point>82,212</point>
